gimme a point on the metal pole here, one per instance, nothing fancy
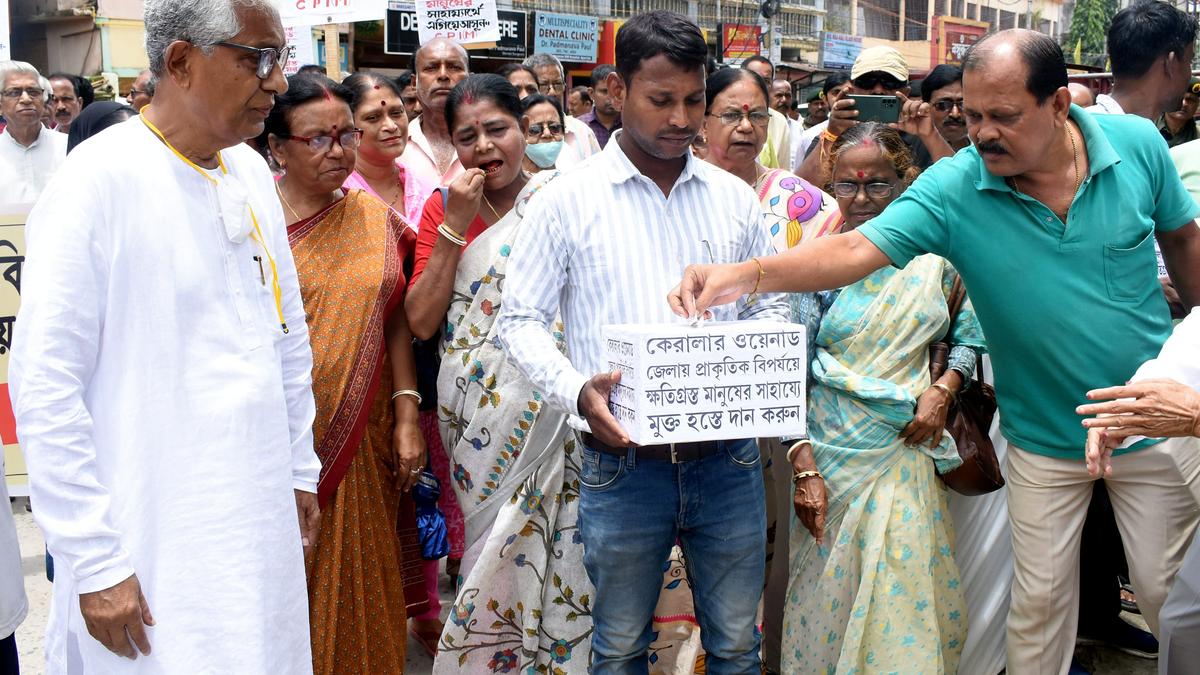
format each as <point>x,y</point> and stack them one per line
<point>1029,14</point>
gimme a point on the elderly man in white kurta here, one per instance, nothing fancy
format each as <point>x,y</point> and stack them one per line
<point>161,371</point>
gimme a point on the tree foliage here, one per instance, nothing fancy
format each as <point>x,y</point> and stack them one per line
<point>1089,30</point>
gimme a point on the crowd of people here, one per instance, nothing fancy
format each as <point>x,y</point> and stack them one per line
<point>269,322</point>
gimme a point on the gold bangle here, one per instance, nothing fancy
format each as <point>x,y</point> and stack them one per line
<point>762,272</point>
<point>938,385</point>
<point>796,478</point>
<point>450,234</point>
<point>791,453</point>
<point>407,392</point>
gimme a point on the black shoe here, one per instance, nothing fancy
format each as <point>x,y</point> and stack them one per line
<point>1124,637</point>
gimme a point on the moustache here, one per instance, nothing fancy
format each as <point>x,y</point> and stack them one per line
<point>991,147</point>
<point>954,122</point>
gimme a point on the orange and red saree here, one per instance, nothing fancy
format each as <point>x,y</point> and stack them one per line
<point>350,260</point>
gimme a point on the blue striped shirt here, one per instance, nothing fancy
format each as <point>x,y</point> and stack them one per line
<point>602,245</point>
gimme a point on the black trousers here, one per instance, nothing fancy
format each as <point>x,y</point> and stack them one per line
<point>8,656</point>
<point>1102,560</point>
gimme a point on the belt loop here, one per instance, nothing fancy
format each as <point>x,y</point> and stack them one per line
<point>674,455</point>
<point>631,458</point>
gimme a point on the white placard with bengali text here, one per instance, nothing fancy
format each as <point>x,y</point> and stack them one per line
<point>719,381</point>
<point>467,22</point>
<point>301,38</point>
<point>5,38</point>
<point>321,12</point>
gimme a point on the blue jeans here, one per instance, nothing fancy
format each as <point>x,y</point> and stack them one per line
<point>632,510</point>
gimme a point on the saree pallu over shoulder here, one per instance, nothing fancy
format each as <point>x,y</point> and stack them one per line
<point>350,259</point>
<point>515,467</point>
<point>795,210</point>
<point>884,588</point>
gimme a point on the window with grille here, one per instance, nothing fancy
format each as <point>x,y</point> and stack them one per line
<point>916,20</point>
<point>1007,19</point>
<point>939,7</point>
<point>956,8</point>
<point>988,16</point>
<point>880,19</point>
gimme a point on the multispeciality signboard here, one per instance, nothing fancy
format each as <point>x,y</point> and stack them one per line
<point>838,51</point>
<point>570,37</point>
<point>954,38</point>
<point>739,41</point>
<point>401,35</point>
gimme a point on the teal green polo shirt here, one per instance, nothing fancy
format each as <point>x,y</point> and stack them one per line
<point>1065,308</point>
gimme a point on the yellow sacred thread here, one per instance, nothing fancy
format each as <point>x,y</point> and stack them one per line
<point>256,235</point>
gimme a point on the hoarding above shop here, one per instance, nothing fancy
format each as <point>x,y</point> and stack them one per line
<point>570,37</point>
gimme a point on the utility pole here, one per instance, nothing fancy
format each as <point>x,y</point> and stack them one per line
<point>1029,14</point>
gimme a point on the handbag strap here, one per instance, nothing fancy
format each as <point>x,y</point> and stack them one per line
<point>958,294</point>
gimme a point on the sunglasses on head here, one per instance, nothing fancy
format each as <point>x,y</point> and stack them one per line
<point>872,80</point>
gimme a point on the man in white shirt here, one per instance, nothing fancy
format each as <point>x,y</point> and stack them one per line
<point>602,245</point>
<point>13,604</point>
<point>161,372</point>
<point>29,152</point>
<point>1161,400</point>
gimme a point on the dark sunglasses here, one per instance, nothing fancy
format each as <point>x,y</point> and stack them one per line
<point>872,80</point>
<point>947,104</point>
<point>537,128</point>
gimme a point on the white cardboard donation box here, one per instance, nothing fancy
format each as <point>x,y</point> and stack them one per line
<point>717,381</point>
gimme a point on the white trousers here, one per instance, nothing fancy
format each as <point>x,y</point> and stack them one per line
<point>1154,496</point>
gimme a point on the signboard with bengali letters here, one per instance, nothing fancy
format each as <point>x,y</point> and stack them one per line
<point>721,380</point>
<point>400,34</point>
<point>467,22</point>
<point>12,258</point>
<point>954,37</point>
<point>739,41</point>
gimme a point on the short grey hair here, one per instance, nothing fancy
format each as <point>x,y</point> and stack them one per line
<point>44,83</point>
<point>151,82</point>
<point>13,67</point>
<point>201,24</point>
<point>542,59</point>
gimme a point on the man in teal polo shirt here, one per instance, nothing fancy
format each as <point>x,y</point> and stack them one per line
<point>1051,218</point>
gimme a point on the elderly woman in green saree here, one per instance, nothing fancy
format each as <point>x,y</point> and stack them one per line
<point>874,585</point>
<point>525,599</point>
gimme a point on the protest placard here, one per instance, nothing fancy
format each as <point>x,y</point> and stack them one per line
<point>722,380</point>
<point>301,38</point>
<point>322,12</point>
<point>468,22</point>
<point>12,259</point>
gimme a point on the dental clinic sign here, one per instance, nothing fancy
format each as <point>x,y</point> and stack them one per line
<point>570,37</point>
<point>321,12</point>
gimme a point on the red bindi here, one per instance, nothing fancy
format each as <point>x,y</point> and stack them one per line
<point>376,86</point>
<point>861,174</point>
<point>745,108</point>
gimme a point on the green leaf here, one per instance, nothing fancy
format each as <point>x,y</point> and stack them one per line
<point>569,592</point>
<point>584,599</point>
<point>557,579</point>
<point>571,616</point>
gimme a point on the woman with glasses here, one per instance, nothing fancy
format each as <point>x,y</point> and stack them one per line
<point>524,603</point>
<point>733,135</point>
<point>542,122</point>
<point>379,111</point>
<point>349,249</point>
<point>874,584</point>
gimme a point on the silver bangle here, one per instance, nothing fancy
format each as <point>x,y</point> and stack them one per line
<point>407,392</point>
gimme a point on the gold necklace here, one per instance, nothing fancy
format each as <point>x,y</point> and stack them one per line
<point>489,205</point>
<point>285,203</point>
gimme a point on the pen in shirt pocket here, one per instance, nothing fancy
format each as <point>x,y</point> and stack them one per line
<point>262,275</point>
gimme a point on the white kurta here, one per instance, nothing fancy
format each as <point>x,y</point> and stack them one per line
<point>13,604</point>
<point>164,415</point>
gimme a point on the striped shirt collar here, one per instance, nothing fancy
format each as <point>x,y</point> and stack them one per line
<point>621,168</point>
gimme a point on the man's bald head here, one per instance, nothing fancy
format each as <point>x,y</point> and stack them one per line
<point>1036,53</point>
<point>439,45</point>
<point>438,65</point>
<point>1081,95</point>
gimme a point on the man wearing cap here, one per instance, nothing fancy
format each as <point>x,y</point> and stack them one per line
<point>878,71</point>
<point>817,110</point>
<point>1179,126</point>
